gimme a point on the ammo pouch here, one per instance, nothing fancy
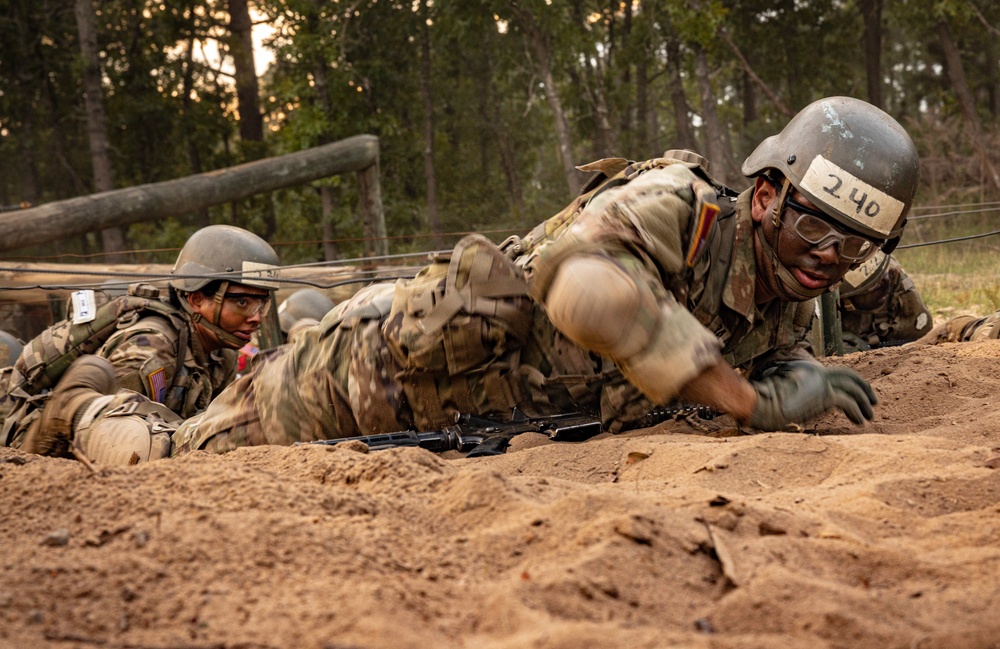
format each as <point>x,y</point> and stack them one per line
<point>463,311</point>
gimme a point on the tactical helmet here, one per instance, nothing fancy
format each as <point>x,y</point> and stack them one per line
<point>865,276</point>
<point>10,348</point>
<point>304,303</point>
<point>224,252</point>
<point>851,160</point>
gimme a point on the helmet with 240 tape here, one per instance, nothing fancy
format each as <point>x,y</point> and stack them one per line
<point>850,159</point>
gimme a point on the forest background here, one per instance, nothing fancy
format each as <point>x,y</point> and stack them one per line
<point>483,109</point>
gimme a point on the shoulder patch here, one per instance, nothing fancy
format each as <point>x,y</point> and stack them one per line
<point>703,225</point>
<point>158,385</point>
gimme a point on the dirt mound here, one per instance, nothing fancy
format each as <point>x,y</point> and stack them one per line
<point>688,534</point>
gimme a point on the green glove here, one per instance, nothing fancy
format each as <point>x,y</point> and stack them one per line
<point>799,390</point>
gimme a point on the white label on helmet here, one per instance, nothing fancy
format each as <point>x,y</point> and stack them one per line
<point>84,306</point>
<point>255,274</point>
<point>858,276</point>
<point>850,195</point>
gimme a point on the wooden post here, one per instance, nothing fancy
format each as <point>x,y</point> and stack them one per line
<point>833,339</point>
<point>155,201</point>
<point>372,214</point>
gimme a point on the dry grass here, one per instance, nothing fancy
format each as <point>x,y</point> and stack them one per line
<point>955,279</point>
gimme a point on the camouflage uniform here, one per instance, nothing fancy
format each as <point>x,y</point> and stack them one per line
<point>156,358</point>
<point>985,328</point>
<point>965,328</point>
<point>469,334</point>
<point>890,311</point>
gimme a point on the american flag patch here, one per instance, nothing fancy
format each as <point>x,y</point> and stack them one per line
<point>706,217</point>
<point>158,385</point>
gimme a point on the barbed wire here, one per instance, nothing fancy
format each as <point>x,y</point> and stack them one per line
<point>934,243</point>
<point>370,275</point>
<point>953,213</point>
<point>938,207</point>
<point>976,208</point>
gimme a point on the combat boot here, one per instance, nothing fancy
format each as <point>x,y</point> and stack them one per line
<point>88,378</point>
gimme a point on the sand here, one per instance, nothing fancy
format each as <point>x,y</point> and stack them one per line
<point>689,534</point>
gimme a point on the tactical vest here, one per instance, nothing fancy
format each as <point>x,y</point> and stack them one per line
<point>710,248</point>
<point>47,357</point>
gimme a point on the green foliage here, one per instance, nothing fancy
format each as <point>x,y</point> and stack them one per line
<point>343,68</point>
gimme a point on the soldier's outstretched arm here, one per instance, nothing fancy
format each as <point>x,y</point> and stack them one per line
<point>665,352</point>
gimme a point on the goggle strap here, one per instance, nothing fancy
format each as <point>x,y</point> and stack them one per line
<point>219,296</point>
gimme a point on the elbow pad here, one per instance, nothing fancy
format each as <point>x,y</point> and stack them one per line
<point>657,343</point>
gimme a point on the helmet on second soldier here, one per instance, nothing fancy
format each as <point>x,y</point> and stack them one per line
<point>865,276</point>
<point>850,159</point>
<point>304,303</point>
<point>228,253</point>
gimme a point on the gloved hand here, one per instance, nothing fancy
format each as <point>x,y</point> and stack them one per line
<point>799,390</point>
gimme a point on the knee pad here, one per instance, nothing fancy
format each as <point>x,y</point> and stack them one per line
<point>601,307</point>
<point>127,434</point>
<point>119,441</point>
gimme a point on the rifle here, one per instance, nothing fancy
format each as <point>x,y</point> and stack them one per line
<point>478,436</point>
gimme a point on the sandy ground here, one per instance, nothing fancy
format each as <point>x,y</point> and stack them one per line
<point>883,537</point>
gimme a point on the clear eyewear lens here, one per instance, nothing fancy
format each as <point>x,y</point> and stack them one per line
<point>816,231</point>
<point>248,305</point>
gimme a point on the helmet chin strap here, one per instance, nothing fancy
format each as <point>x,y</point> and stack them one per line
<point>788,287</point>
<point>226,338</point>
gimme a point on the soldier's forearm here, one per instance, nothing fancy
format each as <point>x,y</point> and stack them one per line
<point>722,388</point>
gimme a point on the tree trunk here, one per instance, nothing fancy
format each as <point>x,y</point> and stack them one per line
<point>540,46</point>
<point>97,124</point>
<point>247,89</point>
<point>871,12</point>
<point>331,250</point>
<point>157,201</point>
<point>433,218</point>
<point>993,77</point>
<point>605,143</point>
<point>773,96</point>
<point>194,155</point>
<point>718,149</point>
<point>643,136</point>
<point>626,123</point>
<point>501,136</point>
<point>251,119</point>
<point>959,85</point>
<point>683,133</point>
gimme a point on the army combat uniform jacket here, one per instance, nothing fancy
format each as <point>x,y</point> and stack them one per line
<point>155,354</point>
<point>890,312</point>
<point>146,360</point>
<point>469,334</point>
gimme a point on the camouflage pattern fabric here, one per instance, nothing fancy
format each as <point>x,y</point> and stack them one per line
<point>144,356</point>
<point>891,311</point>
<point>965,328</point>
<point>987,328</point>
<point>143,349</point>
<point>365,369</point>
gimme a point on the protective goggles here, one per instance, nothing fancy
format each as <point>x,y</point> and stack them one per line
<point>248,304</point>
<point>812,227</point>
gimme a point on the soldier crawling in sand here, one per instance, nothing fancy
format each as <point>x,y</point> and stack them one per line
<point>162,358</point>
<point>657,283</point>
